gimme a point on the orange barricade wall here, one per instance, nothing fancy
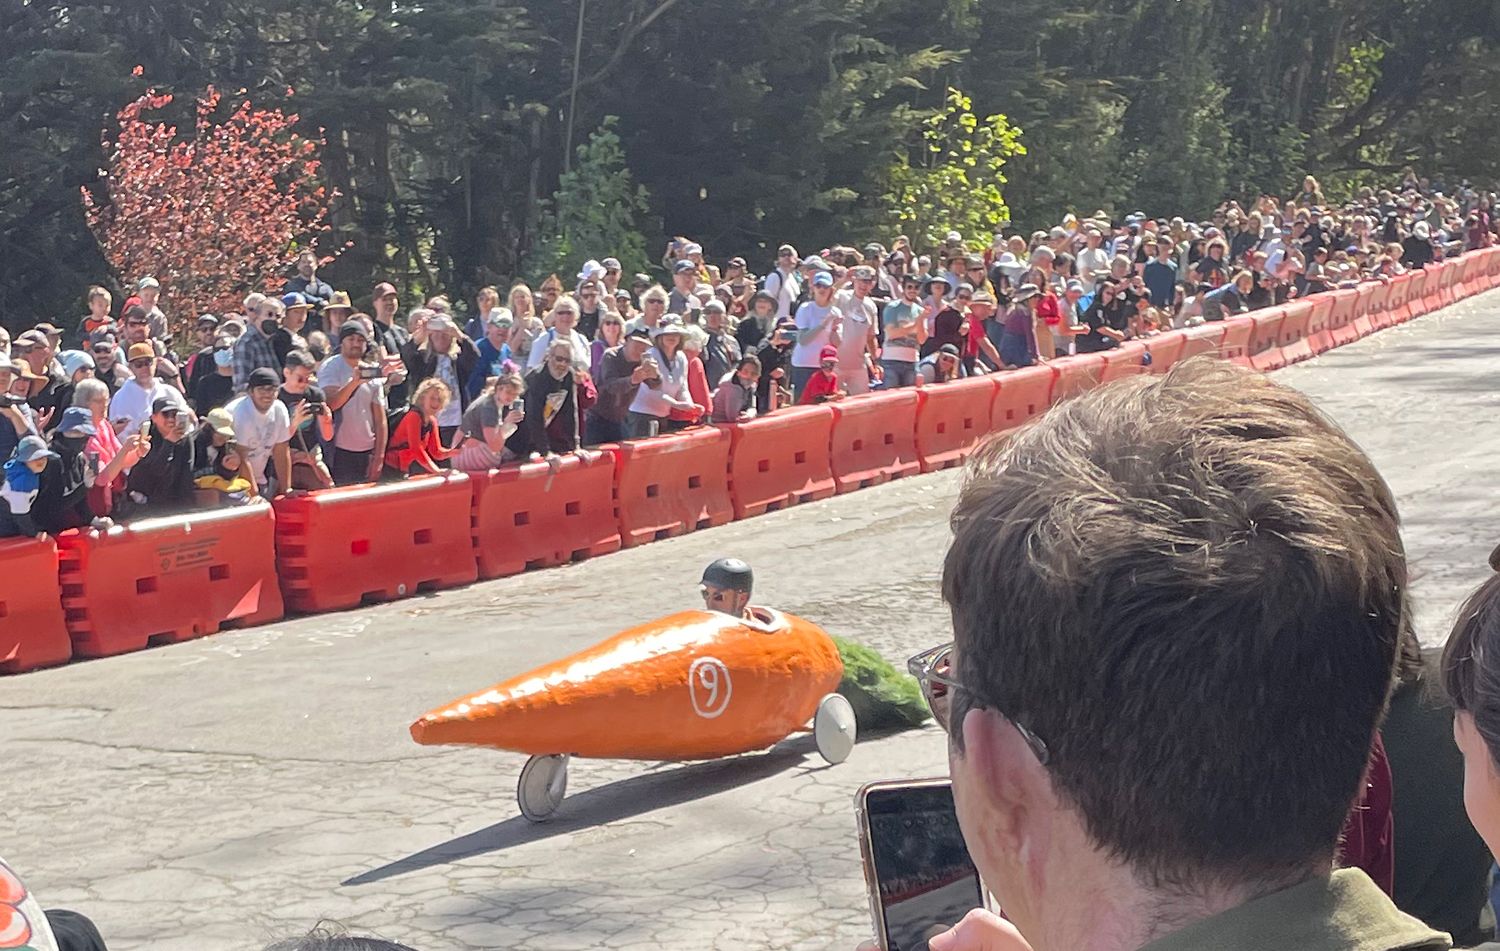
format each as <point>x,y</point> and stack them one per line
<point>1450,271</point>
<point>874,438</point>
<point>526,516</point>
<point>951,419</point>
<point>780,459</point>
<point>1368,311</point>
<point>1166,349</point>
<point>1125,360</point>
<point>161,580</point>
<point>1398,307</point>
<point>1418,300</point>
<point>1076,374</point>
<point>32,631</point>
<point>1234,344</point>
<point>339,547</point>
<point>1291,334</point>
<point>1348,305</point>
<point>672,484</point>
<point>1323,321</point>
<point>1265,341</point>
<point>1024,394</point>
<point>1208,338</point>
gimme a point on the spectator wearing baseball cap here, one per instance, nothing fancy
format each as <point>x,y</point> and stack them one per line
<point>858,343</point>
<point>62,500</point>
<point>784,283</point>
<point>619,377</point>
<point>664,382</point>
<point>683,300</point>
<point>295,309</point>
<point>611,278</point>
<point>163,479</point>
<point>23,479</point>
<point>823,385</point>
<point>943,365</point>
<point>817,323</point>
<point>148,291</point>
<point>354,385</point>
<point>131,407</point>
<point>263,430</point>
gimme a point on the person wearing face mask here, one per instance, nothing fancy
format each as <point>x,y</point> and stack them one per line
<point>255,348</point>
<point>215,387</point>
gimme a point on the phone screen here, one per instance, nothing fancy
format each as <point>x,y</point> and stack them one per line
<point>924,876</point>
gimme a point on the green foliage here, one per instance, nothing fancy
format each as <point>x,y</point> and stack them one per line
<point>952,179</point>
<point>882,696</point>
<point>596,212</point>
<point>749,122</point>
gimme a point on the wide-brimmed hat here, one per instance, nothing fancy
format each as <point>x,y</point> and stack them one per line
<point>1026,292</point>
<point>339,299</point>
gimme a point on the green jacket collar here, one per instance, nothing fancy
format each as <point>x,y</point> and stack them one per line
<point>1344,912</point>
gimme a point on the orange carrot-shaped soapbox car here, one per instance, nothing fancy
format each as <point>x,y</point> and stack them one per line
<point>695,685</point>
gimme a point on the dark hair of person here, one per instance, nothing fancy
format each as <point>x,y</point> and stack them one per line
<point>1191,587</point>
<point>749,360</point>
<point>1471,660</point>
<point>328,939</point>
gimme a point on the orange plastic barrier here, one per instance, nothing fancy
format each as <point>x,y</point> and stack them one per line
<point>527,516</point>
<point>1325,319</point>
<point>163,580</point>
<point>672,484</point>
<point>32,631</point>
<point>1292,332</point>
<point>1166,349</point>
<point>1349,306</point>
<point>1421,299</point>
<point>1209,338</point>
<point>1265,340</point>
<point>1234,343</point>
<point>1128,359</point>
<point>874,438</point>
<point>1448,274</point>
<point>1076,374</point>
<point>1398,309</point>
<point>952,418</point>
<point>780,459</point>
<point>1024,395</point>
<point>339,547</point>
<point>1373,305</point>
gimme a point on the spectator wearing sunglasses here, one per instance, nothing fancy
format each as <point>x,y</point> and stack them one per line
<point>1246,678</point>
<point>131,407</point>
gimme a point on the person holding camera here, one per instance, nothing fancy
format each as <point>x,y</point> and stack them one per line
<point>316,427</point>
<point>489,421</point>
<point>163,478</point>
<point>255,350</point>
<point>355,391</point>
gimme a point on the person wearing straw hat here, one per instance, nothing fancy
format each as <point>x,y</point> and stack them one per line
<point>664,382</point>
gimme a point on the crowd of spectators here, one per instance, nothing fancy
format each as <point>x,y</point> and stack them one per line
<point>300,391</point>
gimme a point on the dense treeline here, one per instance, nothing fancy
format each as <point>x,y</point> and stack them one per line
<point>748,123</point>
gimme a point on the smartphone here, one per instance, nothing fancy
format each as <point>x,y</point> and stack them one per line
<point>918,871</point>
<point>369,371</point>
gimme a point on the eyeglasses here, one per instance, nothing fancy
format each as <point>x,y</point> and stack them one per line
<point>931,670</point>
<point>143,362</point>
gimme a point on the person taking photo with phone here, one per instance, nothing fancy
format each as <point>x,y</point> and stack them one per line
<point>316,427</point>
<point>1256,585</point>
<point>354,387</point>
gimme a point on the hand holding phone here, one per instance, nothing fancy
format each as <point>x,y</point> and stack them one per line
<point>921,879</point>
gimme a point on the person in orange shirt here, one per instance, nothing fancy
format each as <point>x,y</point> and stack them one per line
<point>415,447</point>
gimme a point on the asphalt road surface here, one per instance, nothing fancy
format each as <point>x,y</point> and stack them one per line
<point>225,792</point>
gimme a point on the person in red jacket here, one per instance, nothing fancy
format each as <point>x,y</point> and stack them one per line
<point>823,385</point>
<point>415,446</point>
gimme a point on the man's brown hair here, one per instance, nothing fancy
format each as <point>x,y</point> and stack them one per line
<point>1190,586</point>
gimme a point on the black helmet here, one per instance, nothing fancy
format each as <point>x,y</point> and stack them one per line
<point>730,573</point>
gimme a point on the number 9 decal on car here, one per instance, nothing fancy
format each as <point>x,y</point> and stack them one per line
<point>709,687</point>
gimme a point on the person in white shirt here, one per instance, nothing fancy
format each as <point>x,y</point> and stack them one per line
<point>263,428</point>
<point>356,393</point>
<point>564,319</point>
<point>782,283</point>
<point>131,407</point>
<point>665,384</point>
<point>817,327</point>
<point>857,338</point>
<point>1091,259</point>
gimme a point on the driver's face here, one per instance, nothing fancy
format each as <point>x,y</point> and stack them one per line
<point>724,600</point>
